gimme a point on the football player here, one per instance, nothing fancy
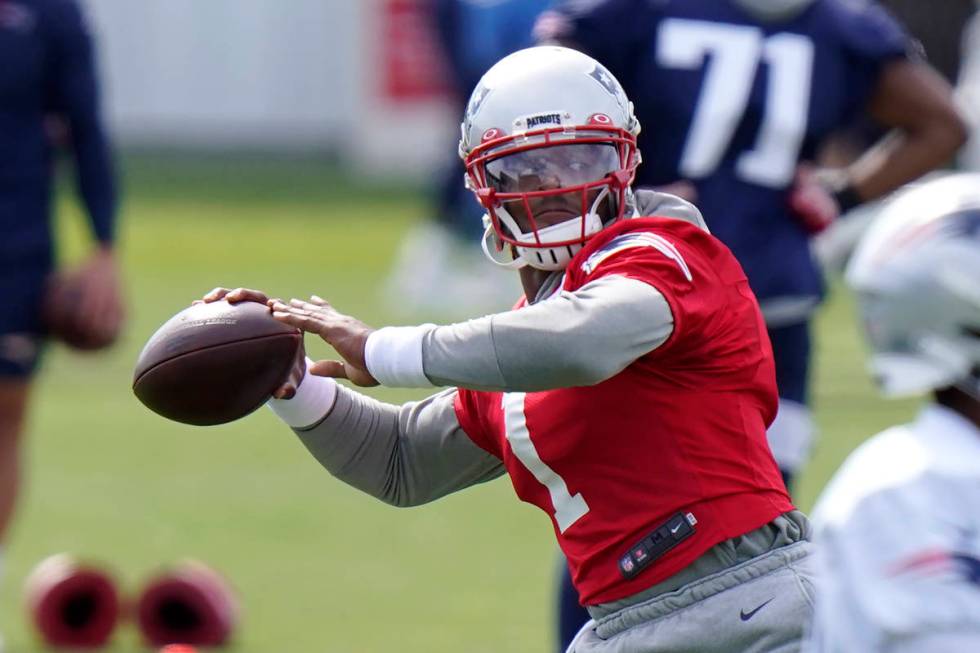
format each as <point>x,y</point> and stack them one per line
<point>898,527</point>
<point>737,97</point>
<point>48,76</point>
<point>627,396</point>
<point>968,90</point>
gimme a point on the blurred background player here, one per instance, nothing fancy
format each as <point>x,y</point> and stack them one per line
<point>937,29</point>
<point>628,321</point>
<point>48,91</point>
<point>898,527</point>
<point>940,31</point>
<point>473,35</point>
<point>736,98</point>
<point>968,90</point>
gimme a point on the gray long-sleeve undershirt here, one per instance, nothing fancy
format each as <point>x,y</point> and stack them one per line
<point>404,455</point>
<point>411,454</point>
<point>569,339</point>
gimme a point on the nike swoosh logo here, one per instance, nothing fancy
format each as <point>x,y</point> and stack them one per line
<point>748,615</point>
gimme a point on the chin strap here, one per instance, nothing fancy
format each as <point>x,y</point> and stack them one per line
<point>538,257</point>
<point>490,236</point>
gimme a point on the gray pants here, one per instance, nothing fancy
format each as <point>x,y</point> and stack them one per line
<point>761,605</point>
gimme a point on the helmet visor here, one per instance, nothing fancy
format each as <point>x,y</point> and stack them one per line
<point>556,166</point>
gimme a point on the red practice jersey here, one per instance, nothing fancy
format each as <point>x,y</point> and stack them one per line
<point>682,430</point>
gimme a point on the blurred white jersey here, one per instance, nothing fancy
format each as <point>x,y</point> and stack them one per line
<point>897,532</point>
<point>968,92</point>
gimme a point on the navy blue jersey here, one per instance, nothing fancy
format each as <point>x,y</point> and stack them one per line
<point>476,34</point>
<point>734,104</point>
<point>47,72</point>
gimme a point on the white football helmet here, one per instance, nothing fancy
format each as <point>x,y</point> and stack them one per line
<point>917,277</point>
<point>549,127</point>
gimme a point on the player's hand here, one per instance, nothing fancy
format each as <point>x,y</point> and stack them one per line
<point>101,310</point>
<point>233,296</point>
<point>288,389</point>
<point>811,201</point>
<point>345,334</point>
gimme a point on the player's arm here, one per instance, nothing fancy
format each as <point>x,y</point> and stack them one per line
<point>571,339</point>
<point>403,455</point>
<point>918,103</point>
<point>73,97</point>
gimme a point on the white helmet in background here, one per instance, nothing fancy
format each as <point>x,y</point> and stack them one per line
<point>916,273</point>
<point>546,122</point>
<point>773,10</point>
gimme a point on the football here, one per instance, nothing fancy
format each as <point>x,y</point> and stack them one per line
<point>214,363</point>
<point>62,317</point>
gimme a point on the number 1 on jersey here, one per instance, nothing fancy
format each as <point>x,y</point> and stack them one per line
<point>568,508</point>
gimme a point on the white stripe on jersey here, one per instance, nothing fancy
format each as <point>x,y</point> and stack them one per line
<point>627,241</point>
<point>569,508</point>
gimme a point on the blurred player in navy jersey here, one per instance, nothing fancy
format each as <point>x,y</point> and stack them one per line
<point>627,396</point>
<point>47,77</point>
<point>473,35</point>
<point>897,529</point>
<point>736,98</point>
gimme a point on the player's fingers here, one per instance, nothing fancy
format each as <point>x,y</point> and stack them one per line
<point>304,322</point>
<point>291,308</point>
<point>285,391</point>
<point>246,295</point>
<point>359,376</point>
<point>105,320</point>
<point>107,308</point>
<point>325,315</point>
<point>92,307</point>
<point>302,305</point>
<point>215,294</point>
<point>293,319</point>
<point>333,369</point>
<point>319,301</point>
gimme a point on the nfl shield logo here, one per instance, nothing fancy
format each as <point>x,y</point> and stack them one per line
<point>626,563</point>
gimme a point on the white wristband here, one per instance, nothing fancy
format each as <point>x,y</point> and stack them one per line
<point>394,356</point>
<point>313,400</point>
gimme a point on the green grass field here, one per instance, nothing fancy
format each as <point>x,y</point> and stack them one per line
<point>318,566</point>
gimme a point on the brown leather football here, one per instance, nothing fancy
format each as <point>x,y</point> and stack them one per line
<point>62,316</point>
<point>215,363</point>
